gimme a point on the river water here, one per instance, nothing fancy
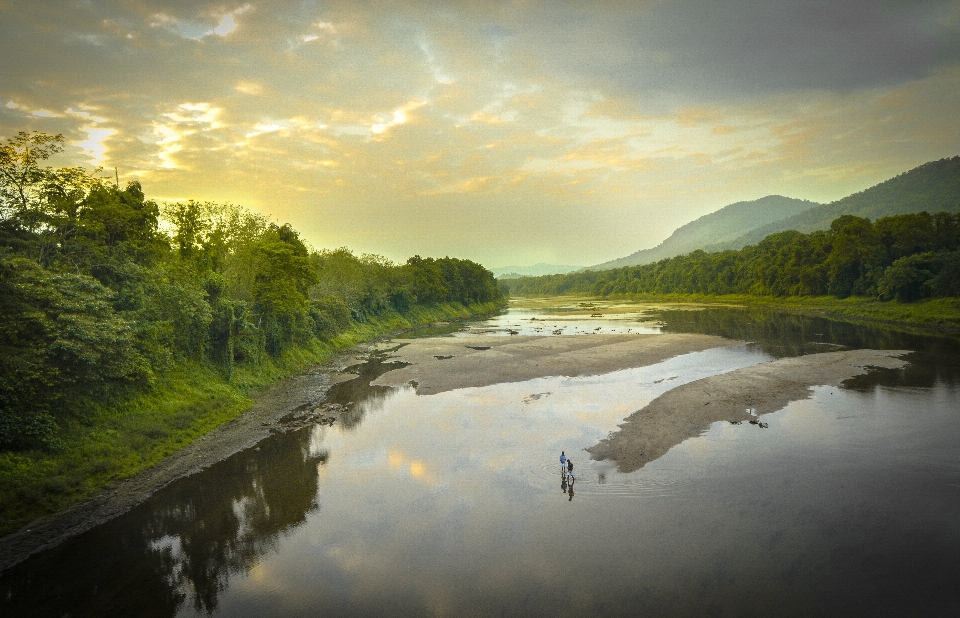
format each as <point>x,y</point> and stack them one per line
<point>453,505</point>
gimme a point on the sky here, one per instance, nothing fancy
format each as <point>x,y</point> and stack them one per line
<point>509,133</point>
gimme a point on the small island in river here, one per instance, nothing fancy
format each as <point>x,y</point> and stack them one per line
<point>436,365</point>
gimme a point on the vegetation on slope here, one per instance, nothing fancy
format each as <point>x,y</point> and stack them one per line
<point>931,187</point>
<point>902,258</point>
<point>724,225</point>
<point>103,294</point>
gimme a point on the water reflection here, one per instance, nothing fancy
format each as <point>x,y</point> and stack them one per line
<point>184,545</point>
<point>936,358</point>
<point>447,505</point>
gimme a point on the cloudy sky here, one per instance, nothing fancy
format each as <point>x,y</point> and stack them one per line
<point>504,132</point>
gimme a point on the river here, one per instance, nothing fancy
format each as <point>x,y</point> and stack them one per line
<point>452,504</point>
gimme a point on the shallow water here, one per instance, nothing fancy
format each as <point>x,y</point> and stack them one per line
<point>452,504</point>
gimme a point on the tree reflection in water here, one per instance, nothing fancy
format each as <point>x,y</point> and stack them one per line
<point>186,541</point>
<point>782,333</point>
<point>189,539</point>
<point>220,524</point>
<point>183,546</point>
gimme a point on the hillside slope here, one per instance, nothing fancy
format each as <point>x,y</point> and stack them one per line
<point>933,187</point>
<point>723,226</point>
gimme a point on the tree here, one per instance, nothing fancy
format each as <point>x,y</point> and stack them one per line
<point>60,341</point>
<point>21,174</point>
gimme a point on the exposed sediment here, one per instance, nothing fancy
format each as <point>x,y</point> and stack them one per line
<point>446,363</point>
<point>688,410</point>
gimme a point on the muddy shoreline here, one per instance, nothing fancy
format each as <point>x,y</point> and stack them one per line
<point>301,392</point>
<point>439,364</point>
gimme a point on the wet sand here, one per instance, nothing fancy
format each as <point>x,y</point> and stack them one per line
<point>688,410</point>
<point>442,364</point>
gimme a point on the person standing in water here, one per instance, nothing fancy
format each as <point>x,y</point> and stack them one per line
<point>563,463</point>
<point>570,470</point>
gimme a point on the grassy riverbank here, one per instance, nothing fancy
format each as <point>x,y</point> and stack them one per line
<point>938,313</point>
<point>122,438</point>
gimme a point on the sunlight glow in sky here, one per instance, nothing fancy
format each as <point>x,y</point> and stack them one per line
<point>504,132</point>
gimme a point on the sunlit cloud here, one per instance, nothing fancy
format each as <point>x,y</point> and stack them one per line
<point>573,135</point>
<point>168,143</point>
<point>261,128</point>
<point>38,113</point>
<point>199,113</point>
<point>398,117</point>
<point>227,23</point>
<point>94,147</point>
<point>199,28</point>
<point>248,87</point>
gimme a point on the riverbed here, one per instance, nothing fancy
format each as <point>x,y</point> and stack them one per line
<point>427,482</point>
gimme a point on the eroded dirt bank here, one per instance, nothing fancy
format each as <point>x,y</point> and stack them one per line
<point>442,364</point>
<point>688,410</point>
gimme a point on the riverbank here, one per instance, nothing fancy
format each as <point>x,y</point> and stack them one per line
<point>192,418</point>
<point>941,314</point>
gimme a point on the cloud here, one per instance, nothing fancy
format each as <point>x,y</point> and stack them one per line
<point>721,50</point>
<point>503,132</point>
<point>227,23</point>
<point>398,116</point>
<point>95,145</point>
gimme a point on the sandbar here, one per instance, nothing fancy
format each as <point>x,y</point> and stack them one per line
<point>688,410</point>
<point>446,363</point>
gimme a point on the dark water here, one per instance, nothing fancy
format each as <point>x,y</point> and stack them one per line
<point>451,504</point>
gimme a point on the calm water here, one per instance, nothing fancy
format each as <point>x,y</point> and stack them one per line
<point>452,504</point>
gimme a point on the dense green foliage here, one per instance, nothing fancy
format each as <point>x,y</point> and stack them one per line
<point>102,291</point>
<point>931,187</point>
<point>903,257</point>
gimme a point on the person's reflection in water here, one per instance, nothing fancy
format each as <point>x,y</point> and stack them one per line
<point>570,493</point>
<point>563,484</point>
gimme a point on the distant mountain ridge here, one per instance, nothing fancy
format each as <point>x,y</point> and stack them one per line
<point>723,226</point>
<point>933,187</point>
<point>533,271</point>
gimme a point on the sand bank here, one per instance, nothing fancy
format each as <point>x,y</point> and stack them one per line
<point>446,363</point>
<point>688,410</point>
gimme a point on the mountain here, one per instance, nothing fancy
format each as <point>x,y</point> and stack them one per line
<point>724,225</point>
<point>933,187</point>
<point>510,272</point>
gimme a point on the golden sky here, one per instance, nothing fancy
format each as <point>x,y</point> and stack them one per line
<point>503,132</point>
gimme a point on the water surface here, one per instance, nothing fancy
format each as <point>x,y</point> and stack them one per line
<point>452,504</point>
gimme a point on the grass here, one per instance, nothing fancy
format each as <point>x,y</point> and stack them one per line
<point>119,440</point>
<point>938,313</point>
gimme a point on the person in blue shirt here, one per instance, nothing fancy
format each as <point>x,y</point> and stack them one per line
<point>563,462</point>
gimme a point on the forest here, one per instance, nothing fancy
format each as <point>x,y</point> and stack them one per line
<point>902,258</point>
<point>103,290</point>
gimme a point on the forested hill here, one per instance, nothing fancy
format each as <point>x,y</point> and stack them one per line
<point>102,290</point>
<point>932,187</point>
<point>903,257</point>
<point>722,226</point>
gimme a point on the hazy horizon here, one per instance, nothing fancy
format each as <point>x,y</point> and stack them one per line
<point>510,133</point>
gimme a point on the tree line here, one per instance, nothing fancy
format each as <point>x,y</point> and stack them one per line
<point>901,257</point>
<point>102,289</point>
